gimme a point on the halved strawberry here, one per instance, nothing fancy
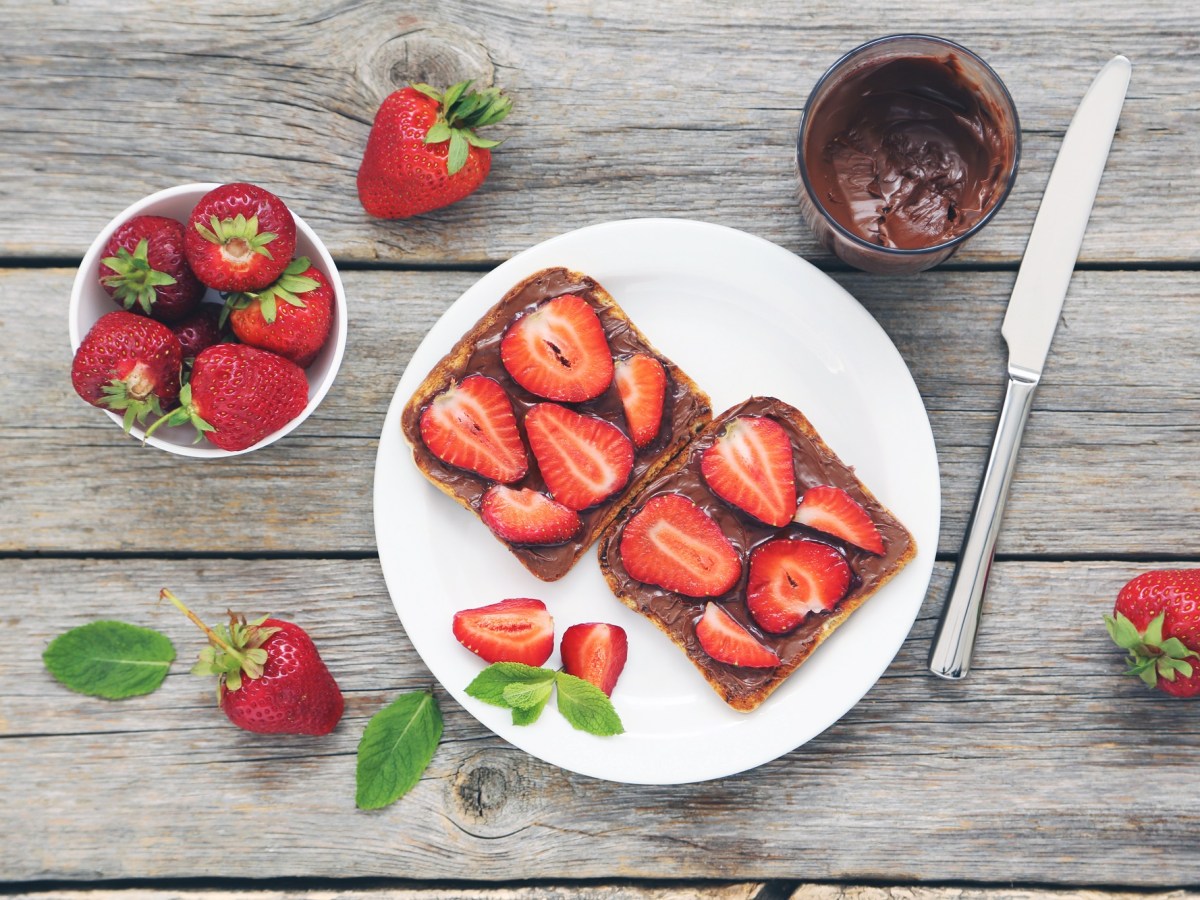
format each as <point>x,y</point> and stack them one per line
<point>471,425</point>
<point>595,652</point>
<point>559,351</point>
<point>518,630</point>
<point>675,544</point>
<point>583,459</point>
<point>726,641</point>
<point>750,466</point>
<point>527,516</point>
<point>789,580</point>
<point>642,384</point>
<point>833,511</point>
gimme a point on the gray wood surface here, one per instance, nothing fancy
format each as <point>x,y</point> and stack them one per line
<point>622,109</point>
<point>1047,767</point>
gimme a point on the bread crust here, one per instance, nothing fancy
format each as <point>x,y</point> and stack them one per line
<point>478,352</point>
<point>745,689</point>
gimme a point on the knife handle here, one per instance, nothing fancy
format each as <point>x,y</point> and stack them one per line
<point>950,655</point>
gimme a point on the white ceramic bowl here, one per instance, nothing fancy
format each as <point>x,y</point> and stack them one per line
<point>89,301</point>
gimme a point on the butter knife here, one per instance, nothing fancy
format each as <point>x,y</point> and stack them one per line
<point>1029,325</point>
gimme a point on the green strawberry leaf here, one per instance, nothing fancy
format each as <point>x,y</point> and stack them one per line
<point>459,148</point>
<point>490,684</point>
<point>587,707</point>
<point>396,748</point>
<point>110,659</point>
<point>438,132</point>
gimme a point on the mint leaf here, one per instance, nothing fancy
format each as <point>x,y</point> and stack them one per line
<point>396,748</point>
<point>586,707</point>
<point>110,659</point>
<point>529,714</point>
<point>490,684</point>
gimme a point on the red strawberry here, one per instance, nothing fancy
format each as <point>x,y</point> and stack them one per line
<point>675,544</point>
<point>239,237</point>
<point>128,363</point>
<point>144,269</point>
<point>583,460</point>
<point>1157,619</point>
<point>517,630</point>
<point>642,384</point>
<point>750,466</point>
<point>595,652</point>
<point>200,330</point>
<point>835,512</point>
<point>559,351</point>
<point>791,579</point>
<point>292,316</point>
<point>272,679</point>
<point>471,425</point>
<point>238,395</point>
<point>526,516</point>
<point>422,153</point>
<point>726,641</point>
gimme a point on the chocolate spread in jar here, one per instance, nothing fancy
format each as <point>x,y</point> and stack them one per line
<point>907,153</point>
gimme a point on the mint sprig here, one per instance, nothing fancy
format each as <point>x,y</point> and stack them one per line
<point>526,690</point>
<point>110,659</point>
<point>396,748</point>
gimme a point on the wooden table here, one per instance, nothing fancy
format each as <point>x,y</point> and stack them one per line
<point>1047,767</point>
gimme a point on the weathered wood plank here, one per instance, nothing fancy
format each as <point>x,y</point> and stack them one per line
<point>541,892</point>
<point>622,109</point>
<point>862,892</point>
<point>1118,409</point>
<point>1037,766</point>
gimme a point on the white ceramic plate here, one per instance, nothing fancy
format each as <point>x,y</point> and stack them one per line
<point>742,316</point>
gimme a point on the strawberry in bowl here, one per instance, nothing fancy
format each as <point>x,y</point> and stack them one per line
<point>90,300</point>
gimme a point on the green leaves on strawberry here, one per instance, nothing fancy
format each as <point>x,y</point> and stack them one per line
<point>423,152</point>
<point>1156,620</point>
<point>1151,656</point>
<point>292,282</point>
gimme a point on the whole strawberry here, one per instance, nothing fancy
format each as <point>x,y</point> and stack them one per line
<point>1157,620</point>
<point>291,317</point>
<point>200,330</point>
<point>145,270</point>
<point>272,680</point>
<point>129,364</point>
<point>238,395</point>
<point>422,153</point>
<point>239,237</point>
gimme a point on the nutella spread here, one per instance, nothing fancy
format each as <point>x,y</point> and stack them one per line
<point>684,410</point>
<point>677,615</point>
<point>907,153</point>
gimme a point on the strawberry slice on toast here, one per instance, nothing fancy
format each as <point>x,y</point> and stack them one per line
<point>526,516</point>
<point>583,459</point>
<point>642,385</point>
<point>750,466</point>
<point>559,351</point>
<point>833,511</point>
<point>675,544</point>
<point>726,641</point>
<point>792,579</point>
<point>471,425</point>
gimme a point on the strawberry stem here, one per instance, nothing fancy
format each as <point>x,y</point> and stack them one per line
<point>213,637</point>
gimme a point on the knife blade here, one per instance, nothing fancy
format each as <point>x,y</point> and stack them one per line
<point>1029,324</point>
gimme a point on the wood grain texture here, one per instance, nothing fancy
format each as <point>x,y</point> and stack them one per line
<point>863,892</point>
<point>622,109</point>
<point>1037,767</point>
<point>541,892</point>
<point>1115,419</point>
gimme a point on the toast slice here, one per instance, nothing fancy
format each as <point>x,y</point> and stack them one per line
<point>686,410</point>
<point>814,463</point>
